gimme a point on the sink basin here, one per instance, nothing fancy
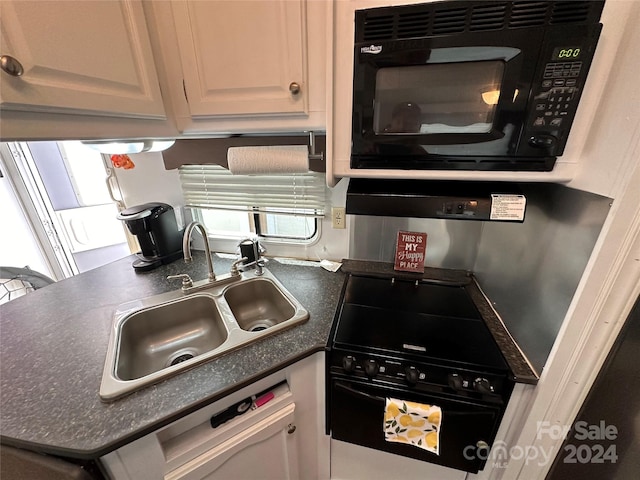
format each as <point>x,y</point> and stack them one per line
<point>156,337</point>
<point>268,306</point>
<point>163,336</point>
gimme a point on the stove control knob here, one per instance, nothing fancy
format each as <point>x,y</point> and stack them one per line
<point>371,367</point>
<point>482,385</point>
<point>411,374</point>
<point>455,381</point>
<point>349,363</point>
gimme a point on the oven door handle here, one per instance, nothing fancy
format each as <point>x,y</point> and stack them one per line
<point>379,400</point>
<point>358,393</point>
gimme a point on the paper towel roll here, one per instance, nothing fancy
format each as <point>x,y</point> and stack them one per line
<point>268,159</point>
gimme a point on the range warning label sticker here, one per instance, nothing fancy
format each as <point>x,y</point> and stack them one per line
<point>507,207</point>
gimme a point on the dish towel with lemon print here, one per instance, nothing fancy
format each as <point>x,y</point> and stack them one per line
<point>413,423</point>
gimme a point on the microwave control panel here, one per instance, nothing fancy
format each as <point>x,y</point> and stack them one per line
<point>558,97</point>
<point>559,81</point>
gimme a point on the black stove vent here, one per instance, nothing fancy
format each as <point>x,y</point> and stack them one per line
<point>454,200</point>
<point>450,18</point>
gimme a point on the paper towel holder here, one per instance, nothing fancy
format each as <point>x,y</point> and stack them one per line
<point>312,148</point>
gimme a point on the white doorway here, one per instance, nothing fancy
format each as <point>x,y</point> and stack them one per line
<point>61,203</point>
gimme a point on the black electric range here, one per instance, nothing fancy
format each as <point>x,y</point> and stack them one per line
<point>420,340</point>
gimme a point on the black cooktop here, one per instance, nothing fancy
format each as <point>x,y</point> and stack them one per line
<point>430,322</point>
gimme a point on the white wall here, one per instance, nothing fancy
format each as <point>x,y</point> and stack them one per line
<point>608,119</point>
<point>149,181</point>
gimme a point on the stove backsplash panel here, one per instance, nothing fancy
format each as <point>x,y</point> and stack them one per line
<point>531,273</point>
<point>530,270</point>
<point>450,243</point>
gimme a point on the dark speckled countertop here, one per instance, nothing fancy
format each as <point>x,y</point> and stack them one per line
<point>53,344</point>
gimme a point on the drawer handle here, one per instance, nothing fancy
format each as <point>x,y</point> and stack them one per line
<point>11,66</point>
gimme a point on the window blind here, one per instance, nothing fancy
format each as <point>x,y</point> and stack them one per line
<point>213,186</point>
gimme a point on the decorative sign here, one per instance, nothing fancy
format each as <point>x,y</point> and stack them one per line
<point>410,251</point>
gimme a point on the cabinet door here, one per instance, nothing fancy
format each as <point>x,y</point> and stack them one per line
<point>266,450</point>
<point>79,57</point>
<point>243,58</point>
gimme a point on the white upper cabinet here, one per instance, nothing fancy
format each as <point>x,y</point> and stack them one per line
<point>243,58</point>
<point>95,69</point>
<point>79,57</point>
<point>242,66</point>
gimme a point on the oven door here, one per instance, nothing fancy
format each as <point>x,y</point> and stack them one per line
<point>356,415</point>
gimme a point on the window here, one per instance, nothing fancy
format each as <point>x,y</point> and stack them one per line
<point>275,207</point>
<point>288,225</point>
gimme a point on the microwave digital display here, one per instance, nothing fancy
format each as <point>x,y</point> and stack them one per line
<point>566,53</point>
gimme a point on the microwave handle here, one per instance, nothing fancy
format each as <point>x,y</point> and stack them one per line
<point>541,140</point>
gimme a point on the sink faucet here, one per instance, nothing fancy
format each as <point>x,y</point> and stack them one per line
<point>186,247</point>
<point>188,285</point>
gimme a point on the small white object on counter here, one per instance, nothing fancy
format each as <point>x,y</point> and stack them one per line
<point>330,266</point>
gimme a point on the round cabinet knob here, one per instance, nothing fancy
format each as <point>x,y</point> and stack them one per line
<point>294,88</point>
<point>349,364</point>
<point>11,66</point>
<point>455,381</point>
<point>482,445</point>
<point>482,385</point>
<point>411,374</point>
<point>371,368</point>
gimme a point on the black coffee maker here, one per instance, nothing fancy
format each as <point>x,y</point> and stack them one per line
<point>154,225</point>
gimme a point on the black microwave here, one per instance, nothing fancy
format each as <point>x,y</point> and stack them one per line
<point>469,85</point>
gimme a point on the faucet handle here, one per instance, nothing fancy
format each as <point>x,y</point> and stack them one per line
<point>234,266</point>
<point>260,265</point>
<point>186,280</point>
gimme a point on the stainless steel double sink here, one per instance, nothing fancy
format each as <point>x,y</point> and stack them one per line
<point>156,337</point>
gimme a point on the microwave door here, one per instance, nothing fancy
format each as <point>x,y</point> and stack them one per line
<point>452,99</point>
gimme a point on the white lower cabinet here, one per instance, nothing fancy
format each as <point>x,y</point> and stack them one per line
<point>282,439</point>
<point>265,450</point>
